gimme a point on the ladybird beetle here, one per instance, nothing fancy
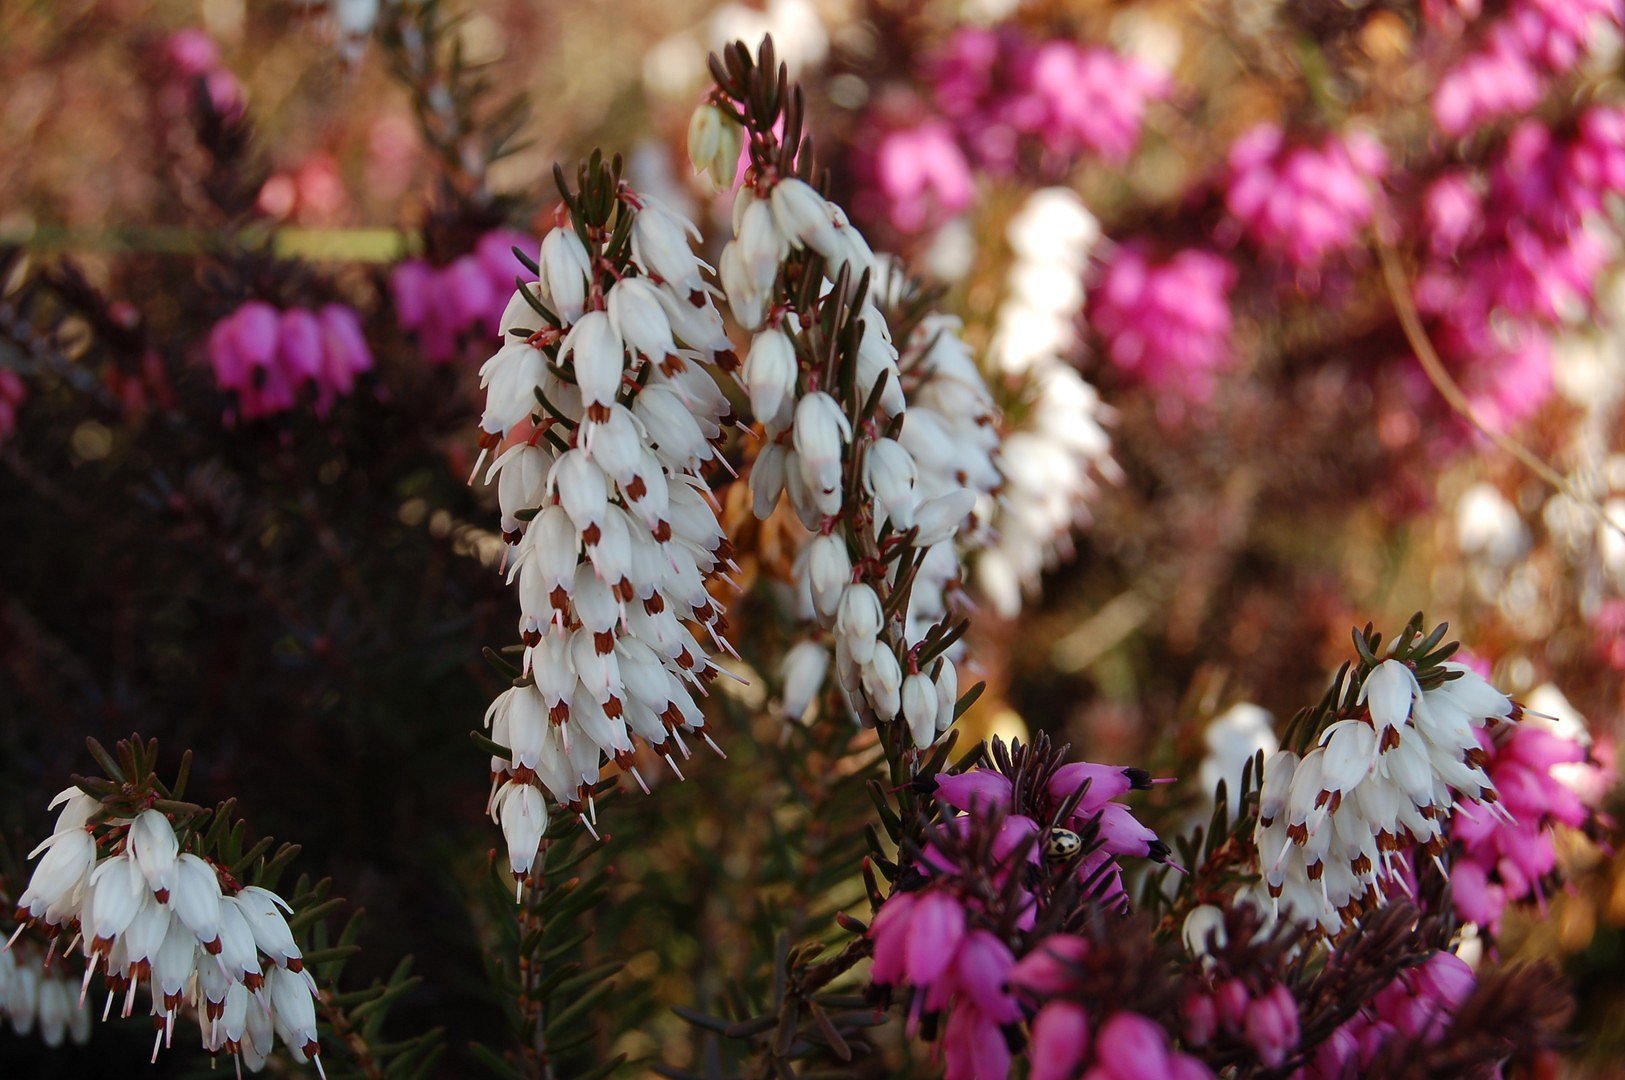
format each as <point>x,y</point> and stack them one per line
<point>1061,845</point>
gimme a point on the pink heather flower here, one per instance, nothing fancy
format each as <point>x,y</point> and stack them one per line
<point>1050,968</point>
<point>1271,1025</point>
<point>265,357</point>
<point>1303,203</point>
<point>1501,862</point>
<point>1060,1041</point>
<point>1536,41</point>
<point>1416,1008</point>
<point>1001,88</point>
<point>923,176</point>
<point>1095,100</point>
<point>444,305</point>
<point>1129,1046</point>
<point>1452,212</point>
<point>192,52</point>
<point>13,392</point>
<point>1167,323</point>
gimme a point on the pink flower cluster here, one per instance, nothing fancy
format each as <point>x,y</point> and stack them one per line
<point>1166,323</point>
<point>1267,1021</point>
<point>465,297</point>
<point>924,939</point>
<point>1412,1011</point>
<point>13,392</point>
<point>1502,862</point>
<point>1303,203</point>
<point>1515,250</point>
<point>266,357</point>
<point>1001,87</point>
<point>983,792</point>
<point>997,94</point>
<point>937,939</point>
<point>1125,1046</point>
<point>193,55</point>
<point>922,175</point>
<point>1535,42</point>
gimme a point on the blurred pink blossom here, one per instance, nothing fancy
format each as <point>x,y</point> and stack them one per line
<point>266,357</point>
<point>1166,323</point>
<point>465,297</point>
<point>1303,203</point>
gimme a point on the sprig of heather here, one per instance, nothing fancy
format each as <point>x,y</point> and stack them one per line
<point>598,422</point>
<point>885,500</point>
<point>160,896</point>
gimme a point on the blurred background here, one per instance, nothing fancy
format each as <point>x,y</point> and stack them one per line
<point>1185,237</point>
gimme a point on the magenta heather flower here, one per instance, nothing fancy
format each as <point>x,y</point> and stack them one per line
<point>1092,99</point>
<point>1516,251</point>
<point>13,392</point>
<point>1533,43</point>
<point>1001,88</point>
<point>464,299</point>
<point>1303,203</point>
<point>1413,1010</point>
<point>1500,861</point>
<point>1166,323</point>
<point>268,357</point>
<point>923,175</point>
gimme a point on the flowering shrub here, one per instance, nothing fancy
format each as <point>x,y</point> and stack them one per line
<point>983,400</point>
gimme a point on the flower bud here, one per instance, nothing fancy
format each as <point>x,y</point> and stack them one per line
<point>858,620</point>
<point>889,474</point>
<point>920,708</point>
<point>714,143</point>
<point>770,373</point>
<point>883,683</point>
<point>803,670</point>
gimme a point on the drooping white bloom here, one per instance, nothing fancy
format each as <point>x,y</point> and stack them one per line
<point>565,269</point>
<point>1374,784</point>
<point>153,843</point>
<point>803,670</point>
<point>622,543</point>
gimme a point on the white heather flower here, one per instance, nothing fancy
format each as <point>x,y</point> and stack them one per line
<point>565,270</point>
<point>117,893</point>
<point>522,812</point>
<point>770,374</point>
<point>1232,739</point>
<point>803,216</point>
<point>1053,462</point>
<point>828,571</point>
<point>66,866</point>
<point>1388,693</point>
<point>520,314</point>
<point>947,681</point>
<point>803,670</point>
<point>883,683</point>
<point>767,479</point>
<point>637,311</point>
<point>939,519</point>
<point>77,809</point>
<point>263,910</point>
<point>920,708</point>
<point>762,247</point>
<point>599,358</point>
<point>195,899</point>
<point>510,379</point>
<point>820,436</point>
<point>152,841</point>
<point>1203,930</point>
<point>293,1011</point>
<point>889,475</point>
<point>660,247</point>
<point>858,620</point>
<point>520,473</point>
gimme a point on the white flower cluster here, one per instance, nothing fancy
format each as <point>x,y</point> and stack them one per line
<point>36,997</point>
<point>1060,448</point>
<point>917,484</point>
<point>608,418</point>
<point>1331,823</point>
<point>156,916</point>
